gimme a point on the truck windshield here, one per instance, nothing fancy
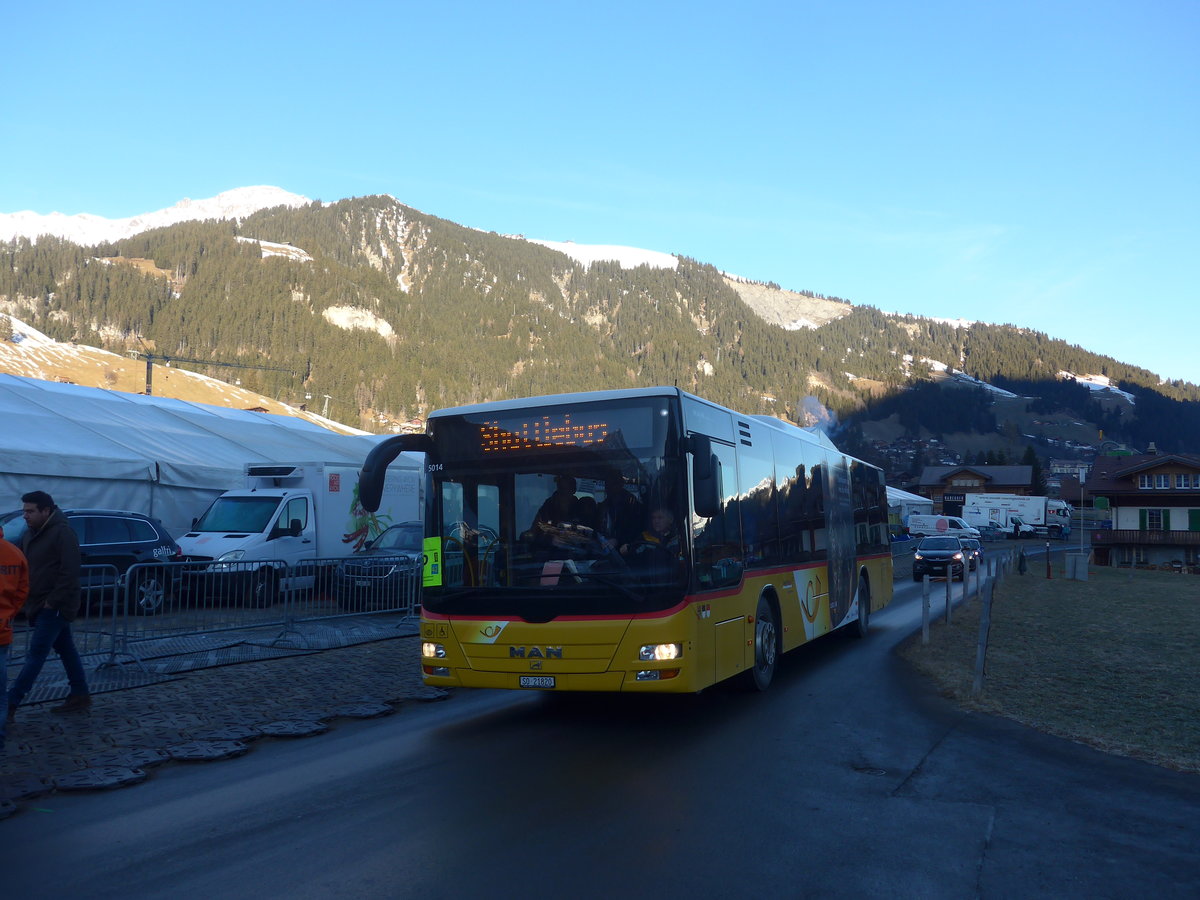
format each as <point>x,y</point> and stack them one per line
<point>582,517</point>
<point>245,514</point>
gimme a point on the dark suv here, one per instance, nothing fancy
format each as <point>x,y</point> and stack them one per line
<point>939,556</point>
<point>110,542</point>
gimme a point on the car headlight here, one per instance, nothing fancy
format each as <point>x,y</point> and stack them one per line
<point>430,650</point>
<point>917,556</point>
<point>231,556</point>
<point>660,651</point>
<point>958,556</point>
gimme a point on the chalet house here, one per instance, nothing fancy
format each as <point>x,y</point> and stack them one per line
<point>1154,510</point>
<point>948,486</point>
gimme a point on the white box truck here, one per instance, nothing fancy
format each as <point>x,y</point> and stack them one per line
<point>1015,513</point>
<point>274,534</point>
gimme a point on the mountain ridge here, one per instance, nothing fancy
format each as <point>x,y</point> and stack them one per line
<point>391,312</point>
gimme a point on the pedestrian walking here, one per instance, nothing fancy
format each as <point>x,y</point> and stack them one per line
<point>14,588</point>
<point>52,551</point>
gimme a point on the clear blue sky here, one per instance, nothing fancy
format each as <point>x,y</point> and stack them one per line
<point>1026,162</point>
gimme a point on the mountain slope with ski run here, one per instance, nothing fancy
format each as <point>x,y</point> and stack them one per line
<point>786,309</point>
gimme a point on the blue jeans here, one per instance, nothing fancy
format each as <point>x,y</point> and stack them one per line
<point>50,630</point>
<point>3,690</point>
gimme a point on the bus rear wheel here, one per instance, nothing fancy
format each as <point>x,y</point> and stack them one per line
<point>766,646</point>
<point>863,597</point>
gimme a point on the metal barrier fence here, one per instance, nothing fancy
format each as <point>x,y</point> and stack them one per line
<point>156,601</point>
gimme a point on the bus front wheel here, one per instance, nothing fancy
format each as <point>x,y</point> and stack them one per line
<point>766,646</point>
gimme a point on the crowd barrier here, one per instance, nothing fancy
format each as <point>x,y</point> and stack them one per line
<point>157,601</point>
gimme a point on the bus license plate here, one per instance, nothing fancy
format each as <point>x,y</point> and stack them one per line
<point>536,681</point>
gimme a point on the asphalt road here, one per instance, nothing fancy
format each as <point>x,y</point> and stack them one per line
<point>847,779</point>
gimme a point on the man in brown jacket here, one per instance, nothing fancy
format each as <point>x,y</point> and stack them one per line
<point>52,550</point>
<point>14,588</point>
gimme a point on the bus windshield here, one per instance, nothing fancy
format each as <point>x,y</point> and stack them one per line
<point>555,511</point>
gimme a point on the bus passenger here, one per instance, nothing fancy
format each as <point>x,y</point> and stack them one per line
<point>659,543</point>
<point>560,507</point>
<point>620,512</point>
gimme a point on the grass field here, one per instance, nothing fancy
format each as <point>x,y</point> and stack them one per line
<point>1111,662</point>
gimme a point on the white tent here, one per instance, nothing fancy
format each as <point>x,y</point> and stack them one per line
<point>166,458</point>
<point>902,504</point>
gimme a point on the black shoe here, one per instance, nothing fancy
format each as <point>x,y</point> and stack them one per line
<point>75,703</point>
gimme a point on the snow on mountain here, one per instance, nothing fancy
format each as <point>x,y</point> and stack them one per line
<point>86,229</point>
<point>626,257</point>
<point>1098,383</point>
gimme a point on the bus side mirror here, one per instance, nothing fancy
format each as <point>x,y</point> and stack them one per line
<point>701,449</point>
<point>370,478</point>
<point>707,490</point>
<point>706,475</point>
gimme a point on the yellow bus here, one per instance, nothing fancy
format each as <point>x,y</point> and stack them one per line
<point>635,540</point>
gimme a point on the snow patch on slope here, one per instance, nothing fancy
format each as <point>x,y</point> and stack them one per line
<point>626,257</point>
<point>1098,383</point>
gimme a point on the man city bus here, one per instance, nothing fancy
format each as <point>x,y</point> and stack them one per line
<point>635,540</point>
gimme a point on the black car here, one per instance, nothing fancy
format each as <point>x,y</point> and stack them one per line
<point>942,557</point>
<point>384,573</point>
<point>110,542</point>
<point>973,550</point>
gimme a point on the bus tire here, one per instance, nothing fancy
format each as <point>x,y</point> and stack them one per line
<point>863,595</point>
<point>766,646</point>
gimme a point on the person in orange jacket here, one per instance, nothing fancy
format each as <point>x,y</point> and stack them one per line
<point>14,588</point>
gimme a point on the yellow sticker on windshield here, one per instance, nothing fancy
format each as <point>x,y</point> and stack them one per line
<point>431,576</point>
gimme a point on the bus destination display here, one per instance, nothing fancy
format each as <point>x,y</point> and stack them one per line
<point>557,430</point>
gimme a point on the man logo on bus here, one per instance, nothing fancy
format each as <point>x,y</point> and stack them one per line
<point>535,652</point>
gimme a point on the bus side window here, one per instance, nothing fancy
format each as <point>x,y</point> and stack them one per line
<point>718,539</point>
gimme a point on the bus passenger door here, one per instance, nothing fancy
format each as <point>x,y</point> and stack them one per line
<point>717,545</point>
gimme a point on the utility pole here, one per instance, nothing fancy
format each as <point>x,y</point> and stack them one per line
<point>151,358</point>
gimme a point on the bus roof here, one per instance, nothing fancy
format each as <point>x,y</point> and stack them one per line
<point>814,434</point>
<point>556,399</point>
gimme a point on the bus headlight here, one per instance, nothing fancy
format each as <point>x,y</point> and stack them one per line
<point>430,650</point>
<point>660,651</point>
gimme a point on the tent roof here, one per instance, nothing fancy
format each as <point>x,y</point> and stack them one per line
<point>895,495</point>
<point>67,429</point>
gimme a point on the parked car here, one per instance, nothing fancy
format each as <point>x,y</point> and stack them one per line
<point>974,551</point>
<point>111,541</point>
<point>991,532</point>
<point>383,574</point>
<point>941,557</point>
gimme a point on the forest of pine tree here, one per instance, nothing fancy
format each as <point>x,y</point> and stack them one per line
<point>478,316</point>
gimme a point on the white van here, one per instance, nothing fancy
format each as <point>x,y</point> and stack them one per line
<point>920,526</point>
